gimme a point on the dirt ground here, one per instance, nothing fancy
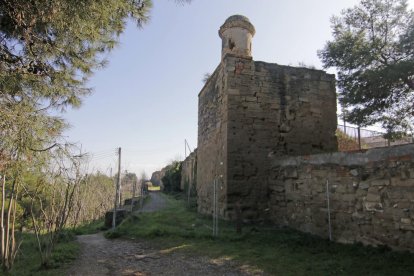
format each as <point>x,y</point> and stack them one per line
<point>100,256</point>
<point>157,202</point>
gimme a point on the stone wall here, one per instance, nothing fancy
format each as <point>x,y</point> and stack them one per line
<point>272,110</point>
<point>212,141</point>
<point>189,171</point>
<point>371,195</point>
<point>249,111</point>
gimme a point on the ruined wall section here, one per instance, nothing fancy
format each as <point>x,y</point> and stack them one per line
<point>371,195</point>
<point>212,143</point>
<point>272,110</point>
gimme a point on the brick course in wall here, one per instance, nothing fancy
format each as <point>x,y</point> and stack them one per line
<point>371,195</point>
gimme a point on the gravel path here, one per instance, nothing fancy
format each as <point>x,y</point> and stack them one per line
<point>100,256</point>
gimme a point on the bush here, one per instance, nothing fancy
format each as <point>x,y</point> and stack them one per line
<point>172,177</point>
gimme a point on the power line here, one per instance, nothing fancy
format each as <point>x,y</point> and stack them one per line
<point>102,157</point>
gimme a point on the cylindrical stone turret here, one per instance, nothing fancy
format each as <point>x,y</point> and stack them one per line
<point>236,34</point>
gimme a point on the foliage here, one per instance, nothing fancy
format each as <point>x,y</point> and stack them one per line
<point>129,185</point>
<point>48,50</point>
<point>345,142</point>
<point>274,250</point>
<point>52,197</point>
<point>27,262</point>
<point>47,53</point>
<point>373,51</point>
<point>206,77</point>
<point>172,177</point>
<point>91,227</point>
<point>96,196</point>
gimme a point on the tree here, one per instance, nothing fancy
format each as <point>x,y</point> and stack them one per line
<point>172,177</point>
<point>128,184</point>
<point>53,199</point>
<point>373,52</point>
<point>95,198</point>
<point>48,50</point>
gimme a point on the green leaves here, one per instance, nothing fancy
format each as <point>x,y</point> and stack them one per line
<point>373,52</point>
<point>172,177</point>
<point>48,52</point>
<point>56,45</point>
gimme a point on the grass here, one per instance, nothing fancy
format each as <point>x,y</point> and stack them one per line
<point>154,188</point>
<point>90,228</point>
<point>276,251</point>
<point>28,259</point>
<point>65,252</point>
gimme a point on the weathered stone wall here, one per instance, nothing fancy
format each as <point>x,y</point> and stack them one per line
<point>212,142</point>
<point>272,110</point>
<point>371,195</point>
<point>251,110</point>
<point>188,170</point>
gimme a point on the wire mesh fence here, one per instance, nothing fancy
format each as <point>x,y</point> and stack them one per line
<point>355,138</point>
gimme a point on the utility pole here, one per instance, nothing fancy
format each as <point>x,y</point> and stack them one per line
<point>119,177</point>
<point>134,188</point>
<point>186,146</point>
<point>117,193</point>
<point>185,149</point>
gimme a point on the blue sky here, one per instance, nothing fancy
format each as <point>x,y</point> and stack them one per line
<point>145,100</point>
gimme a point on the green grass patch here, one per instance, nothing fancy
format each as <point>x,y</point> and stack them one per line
<point>90,227</point>
<point>65,252</point>
<point>276,251</point>
<point>28,259</point>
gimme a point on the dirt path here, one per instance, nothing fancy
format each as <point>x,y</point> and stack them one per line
<point>156,202</point>
<point>100,256</point>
